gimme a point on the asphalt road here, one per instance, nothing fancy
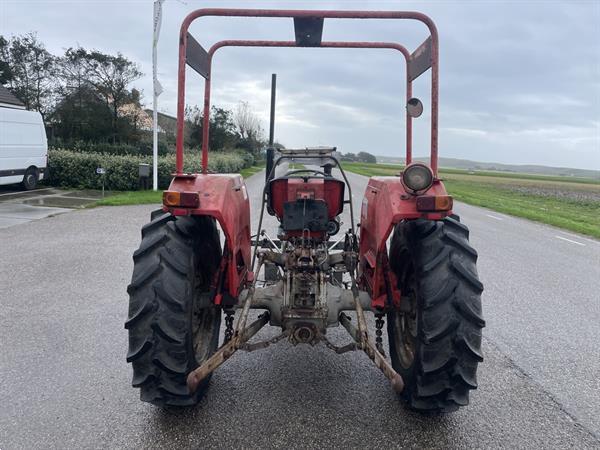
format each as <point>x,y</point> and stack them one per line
<point>64,382</point>
<point>541,302</point>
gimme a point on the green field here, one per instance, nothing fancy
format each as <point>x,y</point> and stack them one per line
<point>566,202</point>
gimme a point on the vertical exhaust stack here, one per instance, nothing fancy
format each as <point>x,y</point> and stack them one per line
<point>270,149</point>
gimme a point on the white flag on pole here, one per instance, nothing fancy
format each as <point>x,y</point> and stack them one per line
<point>157,23</point>
<point>157,19</point>
<point>158,89</point>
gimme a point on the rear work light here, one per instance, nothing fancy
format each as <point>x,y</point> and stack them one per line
<point>182,199</point>
<point>434,203</point>
<point>417,177</point>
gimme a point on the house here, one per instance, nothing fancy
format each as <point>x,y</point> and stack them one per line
<point>139,117</point>
<point>8,100</point>
<point>167,123</point>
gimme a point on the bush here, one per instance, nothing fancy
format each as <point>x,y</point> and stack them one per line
<point>249,159</point>
<point>143,147</point>
<point>78,169</point>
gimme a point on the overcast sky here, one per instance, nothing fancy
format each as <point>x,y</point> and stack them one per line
<point>520,80</point>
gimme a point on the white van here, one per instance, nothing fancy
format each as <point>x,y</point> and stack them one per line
<point>23,147</point>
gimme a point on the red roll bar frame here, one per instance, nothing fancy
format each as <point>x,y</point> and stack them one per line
<point>424,57</point>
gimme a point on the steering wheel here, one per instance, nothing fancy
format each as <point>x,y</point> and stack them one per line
<point>293,172</point>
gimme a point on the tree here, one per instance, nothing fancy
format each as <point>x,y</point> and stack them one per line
<point>30,72</point>
<point>111,75</point>
<point>6,74</point>
<point>72,70</point>
<point>80,92</point>
<point>78,101</point>
<point>222,132</point>
<point>80,115</point>
<point>366,157</point>
<point>248,125</point>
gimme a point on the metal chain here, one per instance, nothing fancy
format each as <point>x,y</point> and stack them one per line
<point>379,333</point>
<point>228,324</point>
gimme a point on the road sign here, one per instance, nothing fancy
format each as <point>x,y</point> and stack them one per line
<point>100,171</point>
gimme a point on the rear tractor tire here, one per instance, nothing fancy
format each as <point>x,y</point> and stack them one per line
<point>435,335</point>
<point>172,327</point>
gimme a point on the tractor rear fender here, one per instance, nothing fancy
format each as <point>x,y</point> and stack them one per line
<point>386,203</point>
<point>224,197</point>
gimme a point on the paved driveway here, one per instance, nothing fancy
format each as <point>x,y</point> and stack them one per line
<point>18,207</point>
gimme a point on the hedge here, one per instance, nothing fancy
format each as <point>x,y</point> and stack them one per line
<point>78,170</point>
<point>143,147</point>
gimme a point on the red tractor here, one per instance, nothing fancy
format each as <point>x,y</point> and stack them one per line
<point>408,262</point>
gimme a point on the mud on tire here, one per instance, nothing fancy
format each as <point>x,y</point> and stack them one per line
<point>435,337</point>
<point>172,326</point>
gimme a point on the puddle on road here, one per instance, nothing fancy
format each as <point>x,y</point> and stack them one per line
<point>52,197</point>
<point>28,194</point>
<point>89,194</point>
<point>21,207</point>
<point>60,201</point>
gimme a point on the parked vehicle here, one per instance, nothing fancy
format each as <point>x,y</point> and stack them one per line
<point>23,147</point>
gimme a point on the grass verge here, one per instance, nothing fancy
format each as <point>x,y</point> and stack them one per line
<point>572,204</point>
<point>249,171</point>
<point>132,198</point>
<point>575,215</point>
<point>153,197</point>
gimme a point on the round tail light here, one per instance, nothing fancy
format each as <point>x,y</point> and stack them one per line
<point>417,177</point>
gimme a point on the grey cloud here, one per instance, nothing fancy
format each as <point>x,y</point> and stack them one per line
<point>519,80</point>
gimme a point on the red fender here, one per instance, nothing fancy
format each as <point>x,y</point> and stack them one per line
<point>386,202</point>
<point>224,197</point>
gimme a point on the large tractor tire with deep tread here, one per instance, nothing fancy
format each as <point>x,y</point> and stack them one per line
<point>435,336</point>
<point>172,327</point>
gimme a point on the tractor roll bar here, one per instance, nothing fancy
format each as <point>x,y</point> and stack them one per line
<point>308,27</point>
<point>324,44</point>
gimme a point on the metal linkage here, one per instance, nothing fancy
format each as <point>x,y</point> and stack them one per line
<point>369,348</point>
<point>365,344</point>
<point>378,332</point>
<point>339,350</point>
<point>229,313</point>
<point>264,344</point>
<point>241,335</point>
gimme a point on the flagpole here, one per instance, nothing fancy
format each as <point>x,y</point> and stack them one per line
<point>156,91</point>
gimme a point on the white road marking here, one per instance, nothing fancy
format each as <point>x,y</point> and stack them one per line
<point>569,240</point>
<point>494,217</point>
<point>580,237</point>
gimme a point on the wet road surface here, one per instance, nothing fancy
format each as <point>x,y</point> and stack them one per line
<point>18,206</point>
<point>64,382</point>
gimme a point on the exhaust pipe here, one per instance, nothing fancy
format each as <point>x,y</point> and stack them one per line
<point>270,149</point>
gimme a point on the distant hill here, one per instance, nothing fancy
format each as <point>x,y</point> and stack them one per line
<point>454,163</point>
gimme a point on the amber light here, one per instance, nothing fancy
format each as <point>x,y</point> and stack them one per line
<point>434,203</point>
<point>184,199</point>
